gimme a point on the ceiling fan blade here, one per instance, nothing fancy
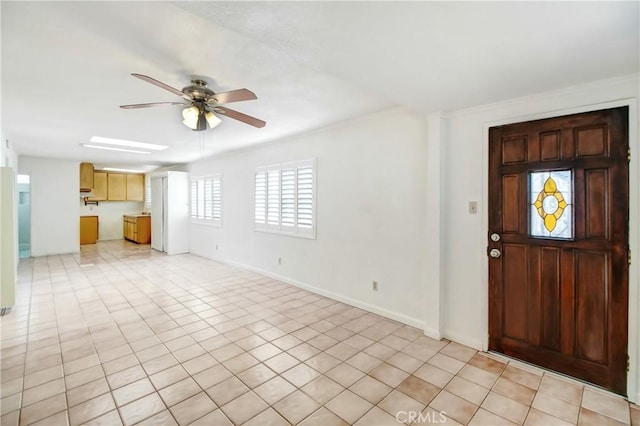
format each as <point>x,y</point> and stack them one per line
<point>151,104</point>
<point>159,84</point>
<point>234,96</point>
<point>240,116</point>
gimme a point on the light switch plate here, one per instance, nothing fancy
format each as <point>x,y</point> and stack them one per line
<point>473,207</point>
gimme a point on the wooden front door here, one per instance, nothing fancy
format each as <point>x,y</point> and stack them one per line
<point>558,244</point>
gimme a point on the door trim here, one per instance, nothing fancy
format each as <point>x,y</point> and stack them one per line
<point>633,338</point>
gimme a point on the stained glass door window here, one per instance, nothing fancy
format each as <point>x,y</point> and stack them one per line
<point>551,201</point>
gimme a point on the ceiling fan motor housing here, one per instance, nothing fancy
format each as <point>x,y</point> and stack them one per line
<point>198,90</point>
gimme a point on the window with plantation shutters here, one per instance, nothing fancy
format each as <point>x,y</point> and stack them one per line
<point>147,193</point>
<point>206,200</point>
<point>284,198</point>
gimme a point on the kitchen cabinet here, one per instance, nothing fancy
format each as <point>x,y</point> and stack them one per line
<point>99,186</point>
<point>86,177</point>
<point>88,229</point>
<point>135,187</point>
<point>116,187</point>
<point>137,228</point>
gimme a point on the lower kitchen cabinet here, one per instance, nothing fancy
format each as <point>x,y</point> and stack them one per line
<point>137,228</point>
<point>88,229</point>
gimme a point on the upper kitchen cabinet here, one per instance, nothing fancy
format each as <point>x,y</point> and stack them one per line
<point>108,186</point>
<point>135,187</point>
<point>86,177</point>
<point>99,186</point>
<point>116,187</point>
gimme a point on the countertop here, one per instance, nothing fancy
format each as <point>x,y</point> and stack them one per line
<point>136,215</point>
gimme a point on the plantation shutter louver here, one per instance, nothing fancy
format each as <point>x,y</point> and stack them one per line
<point>194,199</point>
<point>208,199</point>
<point>147,193</point>
<point>217,199</point>
<point>288,203</point>
<point>305,197</point>
<point>200,199</point>
<point>261,198</point>
<point>273,197</point>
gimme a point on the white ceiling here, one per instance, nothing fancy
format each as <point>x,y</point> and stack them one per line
<point>66,66</point>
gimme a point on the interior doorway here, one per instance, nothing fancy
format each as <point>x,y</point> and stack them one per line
<point>23,187</point>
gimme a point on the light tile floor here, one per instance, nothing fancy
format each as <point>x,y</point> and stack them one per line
<point>120,334</point>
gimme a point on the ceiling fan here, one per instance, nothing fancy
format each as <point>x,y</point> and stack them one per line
<point>202,104</point>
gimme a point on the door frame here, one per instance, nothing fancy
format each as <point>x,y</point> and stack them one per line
<point>18,216</point>
<point>633,338</point>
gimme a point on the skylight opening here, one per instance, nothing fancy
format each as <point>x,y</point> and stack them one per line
<point>109,148</point>
<point>131,144</point>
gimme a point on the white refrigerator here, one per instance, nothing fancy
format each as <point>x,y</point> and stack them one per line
<point>170,212</point>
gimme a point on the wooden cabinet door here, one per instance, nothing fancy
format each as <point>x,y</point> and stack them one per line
<point>558,241</point>
<point>116,187</point>
<point>99,186</point>
<point>88,229</point>
<point>143,230</point>
<point>86,176</point>
<point>135,187</point>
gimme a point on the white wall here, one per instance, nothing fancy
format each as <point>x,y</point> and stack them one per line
<point>55,214</point>
<point>110,216</point>
<point>8,157</point>
<point>465,179</point>
<point>371,208</point>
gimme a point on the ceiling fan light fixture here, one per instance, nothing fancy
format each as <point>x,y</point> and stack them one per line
<point>212,119</point>
<point>190,116</point>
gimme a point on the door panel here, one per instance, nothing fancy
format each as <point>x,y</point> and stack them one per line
<point>515,290</point>
<point>596,183</point>
<point>558,197</point>
<point>550,297</point>
<point>510,204</point>
<point>591,298</point>
<point>550,146</point>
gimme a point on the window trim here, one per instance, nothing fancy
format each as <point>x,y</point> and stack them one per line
<point>202,221</point>
<point>279,229</point>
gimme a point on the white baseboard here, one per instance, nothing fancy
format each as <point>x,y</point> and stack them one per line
<point>463,340</point>
<point>53,254</point>
<point>396,316</point>
<point>434,334</point>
